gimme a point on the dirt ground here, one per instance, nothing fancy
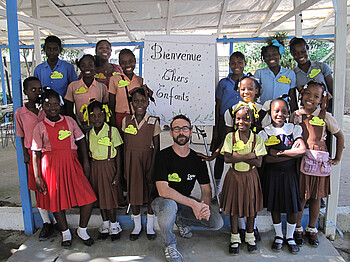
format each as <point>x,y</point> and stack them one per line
<point>11,240</point>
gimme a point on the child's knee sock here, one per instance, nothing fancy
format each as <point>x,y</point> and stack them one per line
<point>150,224</point>
<point>82,233</point>
<point>241,223</point>
<point>66,235</point>
<point>137,224</point>
<point>278,231</point>
<point>290,232</point>
<point>44,215</point>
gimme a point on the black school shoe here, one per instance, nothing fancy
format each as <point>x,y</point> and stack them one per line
<point>277,247</point>
<point>293,249</point>
<point>257,235</point>
<point>252,248</point>
<point>134,237</point>
<point>313,240</point>
<point>298,238</point>
<point>234,250</point>
<point>87,242</point>
<point>46,231</point>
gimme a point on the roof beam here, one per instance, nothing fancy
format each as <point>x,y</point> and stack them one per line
<point>44,24</point>
<point>320,25</point>
<point>222,16</point>
<point>272,8</point>
<point>284,18</point>
<point>120,20</point>
<point>72,25</point>
<point>169,23</point>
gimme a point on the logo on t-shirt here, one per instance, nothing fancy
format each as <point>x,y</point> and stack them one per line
<point>190,177</point>
<point>174,177</point>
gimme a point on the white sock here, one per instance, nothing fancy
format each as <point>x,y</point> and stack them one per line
<point>137,224</point>
<point>82,233</point>
<point>254,223</point>
<point>289,233</point>
<point>150,224</point>
<point>106,224</point>
<point>44,215</point>
<point>66,235</point>
<point>241,223</point>
<point>278,231</point>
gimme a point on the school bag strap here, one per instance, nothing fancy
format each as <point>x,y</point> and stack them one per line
<point>110,139</point>
<point>128,98</point>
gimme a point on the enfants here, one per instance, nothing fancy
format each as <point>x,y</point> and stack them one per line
<point>241,194</point>
<point>141,137</point>
<point>121,85</point>
<point>307,70</point>
<point>26,119</point>
<point>225,97</point>
<point>104,142</point>
<point>55,73</point>
<point>314,181</point>
<point>105,70</point>
<point>280,179</point>
<point>57,170</point>
<point>82,91</point>
<point>274,79</point>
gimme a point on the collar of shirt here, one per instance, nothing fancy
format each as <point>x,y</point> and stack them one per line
<point>144,120</point>
<point>286,129</point>
<point>314,113</point>
<point>59,62</point>
<point>53,123</point>
<point>250,139</point>
<point>103,130</point>
<point>94,83</point>
<point>312,65</point>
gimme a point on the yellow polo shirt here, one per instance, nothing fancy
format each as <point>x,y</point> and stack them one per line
<point>98,143</point>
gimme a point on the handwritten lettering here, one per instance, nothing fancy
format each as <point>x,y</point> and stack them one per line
<point>170,95</point>
<point>169,75</point>
<point>159,54</point>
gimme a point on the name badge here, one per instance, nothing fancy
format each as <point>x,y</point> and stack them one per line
<point>105,141</point>
<point>316,121</point>
<point>56,75</point>
<point>272,140</point>
<point>131,130</point>
<point>63,134</point>
<point>81,90</point>
<point>284,80</point>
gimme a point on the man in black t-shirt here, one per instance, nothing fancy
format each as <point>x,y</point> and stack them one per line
<point>176,170</point>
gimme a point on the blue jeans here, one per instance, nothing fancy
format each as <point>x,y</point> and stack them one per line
<point>168,211</point>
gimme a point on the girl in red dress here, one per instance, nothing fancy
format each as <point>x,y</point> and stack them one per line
<point>57,170</point>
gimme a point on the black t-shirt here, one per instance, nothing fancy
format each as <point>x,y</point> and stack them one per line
<point>180,172</point>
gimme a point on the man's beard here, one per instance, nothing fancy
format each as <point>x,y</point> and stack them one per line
<point>182,142</point>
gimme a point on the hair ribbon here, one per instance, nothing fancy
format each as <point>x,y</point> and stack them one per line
<point>85,113</point>
<point>280,47</point>
<point>107,112</point>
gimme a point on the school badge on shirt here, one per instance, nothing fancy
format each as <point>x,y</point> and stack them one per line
<point>63,134</point>
<point>316,121</point>
<point>284,80</point>
<point>81,90</point>
<point>131,130</point>
<point>123,83</point>
<point>238,146</point>
<point>174,177</point>
<point>314,72</point>
<point>272,140</point>
<point>100,76</point>
<point>105,141</point>
<point>56,75</point>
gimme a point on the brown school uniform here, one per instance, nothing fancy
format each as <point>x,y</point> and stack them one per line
<point>138,140</point>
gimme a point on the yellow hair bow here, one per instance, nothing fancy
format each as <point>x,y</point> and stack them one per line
<point>85,113</point>
<point>107,112</point>
<point>251,105</point>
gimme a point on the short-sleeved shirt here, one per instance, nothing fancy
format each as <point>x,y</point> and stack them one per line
<point>26,120</point>
<point>331,123</point>
<point>100,77</point>
<point>80,94</point>
<point>41,140</point>
<point>259,148</point>
<point>286,129</point>
<point>180,172</point>
<point>274,86</point>
<point>98,143</point>
<point>317,71</point>
<point>226,92</point>
<point>57,79</point>
<point>121,103</point>
<point>157,128</point>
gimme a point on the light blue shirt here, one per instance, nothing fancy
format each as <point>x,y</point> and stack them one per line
<point>317,71</point>
<point>226,93</point>
<point>57,79</point>
<point>274,86</point>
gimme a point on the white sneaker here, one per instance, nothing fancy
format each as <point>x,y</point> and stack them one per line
<point>172,254</point>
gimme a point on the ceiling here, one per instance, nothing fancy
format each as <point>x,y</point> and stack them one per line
<point>87,21</point>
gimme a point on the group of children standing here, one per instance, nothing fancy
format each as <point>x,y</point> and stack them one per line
<point>275,164</point>
<point>80,136</point>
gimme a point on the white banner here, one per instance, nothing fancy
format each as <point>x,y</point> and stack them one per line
<point>181,71</point>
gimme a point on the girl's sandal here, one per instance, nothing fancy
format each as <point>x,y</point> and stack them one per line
<point>276,246</point>
<point>234,248</point>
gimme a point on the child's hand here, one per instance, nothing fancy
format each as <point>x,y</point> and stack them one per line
<point>334,161</point>
<point>40,185</point>
<point>280,153</point>
<point>208,158</point>
<point>26,156</point>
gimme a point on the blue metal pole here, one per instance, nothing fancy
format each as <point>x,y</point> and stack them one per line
<point>4,95</point>
<point>140,60</point>
<point>12,29</point>
<point>231,51</point>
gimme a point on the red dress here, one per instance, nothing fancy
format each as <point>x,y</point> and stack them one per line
<point>64,177</point>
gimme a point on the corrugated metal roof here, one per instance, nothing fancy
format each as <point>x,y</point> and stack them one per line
<point>82,21</point>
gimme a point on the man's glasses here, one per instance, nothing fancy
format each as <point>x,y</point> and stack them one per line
<point>177,129</point>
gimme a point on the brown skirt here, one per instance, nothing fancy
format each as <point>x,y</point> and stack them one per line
<point>314,187</point>
<point>102,174</point>
<point>241,193</point>
<point>138,175</point>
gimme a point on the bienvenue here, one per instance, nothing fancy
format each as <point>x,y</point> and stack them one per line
<point>159,54</point>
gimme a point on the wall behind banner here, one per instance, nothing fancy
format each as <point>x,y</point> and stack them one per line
<point>182,72</point>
